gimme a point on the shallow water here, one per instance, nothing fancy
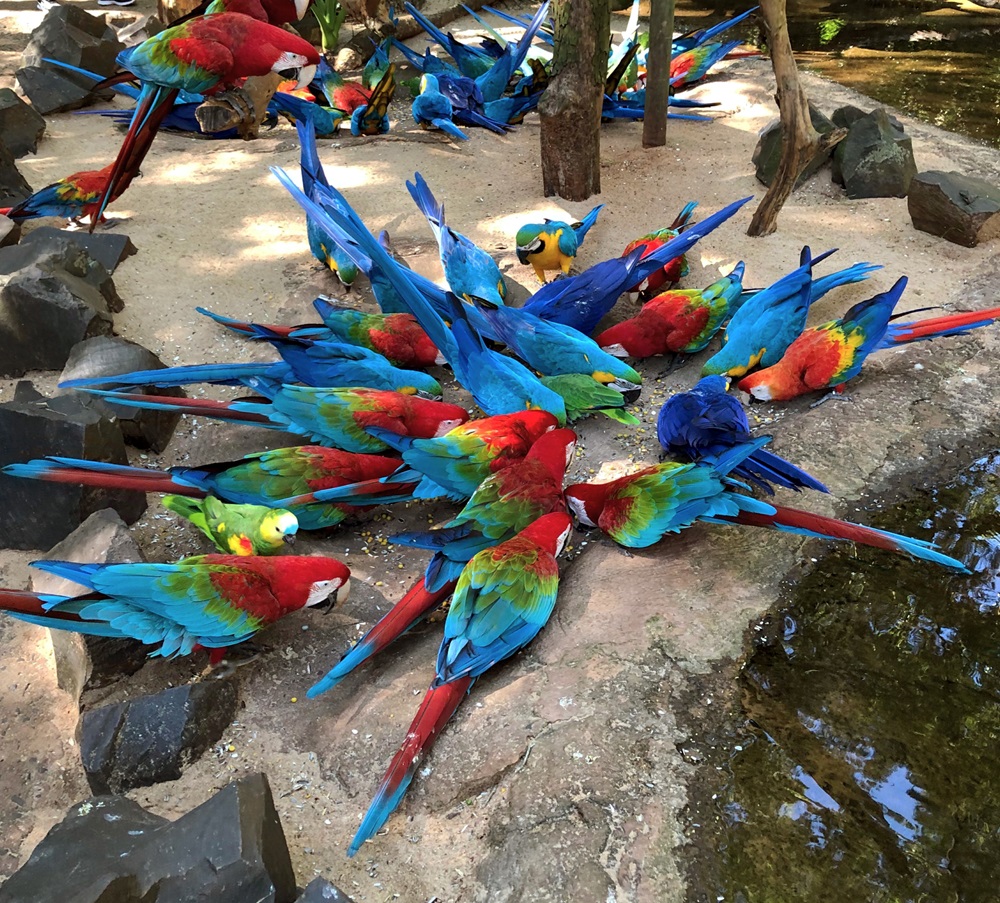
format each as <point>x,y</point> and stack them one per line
<point>867,764</point>
<point>934,61</point>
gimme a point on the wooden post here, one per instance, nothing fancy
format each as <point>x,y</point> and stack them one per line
<point>570,108</point>
<point>800,142</point>
<point>661,37</point>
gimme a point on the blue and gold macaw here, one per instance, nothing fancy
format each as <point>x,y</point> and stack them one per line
<point>552,244</point>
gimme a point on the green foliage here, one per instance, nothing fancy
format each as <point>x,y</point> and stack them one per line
<point>829,29</point>
<point>330,17</point>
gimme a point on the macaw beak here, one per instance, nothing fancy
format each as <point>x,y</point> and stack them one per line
<point>630,390</point>
<point>300,8</point>
<point>430,396</point>
<point>289,539</point>
<point>306,75</point>
<point>339,595</point>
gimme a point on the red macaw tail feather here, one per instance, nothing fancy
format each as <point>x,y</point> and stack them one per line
<point>416,605</point>
<point>100,474</point>
<point>117,79</point>
<point>21,601</point>
<point>205,407</point>
<point>363,494</point>
<point>438,706</point>
<point>792,520</point>
<point>936,327</point>
<point>146,119</point>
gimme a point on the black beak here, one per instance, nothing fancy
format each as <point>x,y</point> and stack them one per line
<point>289,539</point>
<point>522,255</point>
<point>631,395</point>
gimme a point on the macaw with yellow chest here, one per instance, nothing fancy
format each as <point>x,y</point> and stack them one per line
<point>551,245</point>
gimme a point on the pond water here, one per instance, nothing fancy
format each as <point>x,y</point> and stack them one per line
<point>935,61</point>
<point>865,765</point>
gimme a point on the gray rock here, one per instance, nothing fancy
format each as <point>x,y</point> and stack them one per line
<point>231,849</point>
<point>79,859</point>
<point>875,160</point>
<point>319,890</point>
<point>108,248</point>
<point>10,231</point>
<point>53,91</point>
<point>65,255</point>
<point>767,153</point>
<point>151,739</point>
<point>13,187</point>
<point>111,355</point>
<point>43,314</point>
<point>90,661</point>
<point>21,126</point>
<point>32,426</point>
<point>844,117</point>
<point>72,35</point>
<point>961,209</point>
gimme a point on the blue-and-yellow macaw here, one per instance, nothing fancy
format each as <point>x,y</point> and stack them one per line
<point>552,244</point>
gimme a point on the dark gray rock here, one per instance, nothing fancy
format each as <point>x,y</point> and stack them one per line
<point>79,859</point>
<point>32,426</point>
<point>43,315</point>
<point>53,91</point>
<point>111,355</point>
<point>10,232</point>
<point>72,35</point>
<point>90,661</point>
<point>13,187</point>
<point>319,890</point>
<point>961,209</point>
<point>151,739</point>
<point>767,153</point>
<point>231,849</point>
<point>21,126</point>
<point>875,160</point>
<point>108,248</point>
<point>65,255</point>
<point>844,117</point>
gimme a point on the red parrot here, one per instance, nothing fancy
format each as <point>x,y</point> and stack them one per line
<point>204,55</point>
<point>213,601</point>
<point>827,356</point>
<point>672,270</point>
<point>70,197</point>
<point>503,599</point>
<point>269,478</point>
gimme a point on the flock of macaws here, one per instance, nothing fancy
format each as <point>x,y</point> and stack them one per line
<point>356,385</point>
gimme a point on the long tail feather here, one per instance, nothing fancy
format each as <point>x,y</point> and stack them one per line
<point>99,474</point>
<point>205,407</point>
<point>775,469</point>
<point>791,520</point>
<point>230,374</point>
<point>437,708</point>
<point>937,327</point>
<point>409,611</point>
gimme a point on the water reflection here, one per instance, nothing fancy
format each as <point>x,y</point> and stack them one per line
<point>874,704</point>
<point>933,60</point>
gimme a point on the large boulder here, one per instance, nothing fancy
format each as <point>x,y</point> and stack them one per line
<point>90,661</point>
<point>151,739</point>
<point>875,160</point>
<point>230,849</point>
<point>35,514</point>
<point>70,34</point>
<point>320,890</point>
<point>53,90</point>
<point>767,153</point>
<point>109,249</point>
<point>962,209</point>
<point>43,315</point>
<point>13,186</point>
<point>112,355</point>
<point>10,232</point>
<point>21,126</point>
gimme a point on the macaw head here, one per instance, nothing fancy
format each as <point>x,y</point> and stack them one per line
<point>586,502</point>
<point>278,527</point>
<point>530,240</point>
<point>718,384</point>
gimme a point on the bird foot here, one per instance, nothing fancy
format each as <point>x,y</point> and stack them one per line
<point>235,657</point>
<point>834,394</point>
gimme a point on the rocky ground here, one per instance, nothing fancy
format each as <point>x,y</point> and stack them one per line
<point>565,776</point>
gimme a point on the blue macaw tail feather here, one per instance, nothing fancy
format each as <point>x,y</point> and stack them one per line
<point>436,709</point>
<point>409,611</point>
<point>226,374</point>
<point>858,272</point>
<point>764,467</point>
<point>428,205</point>
<point>449,127</point>
<point>471,117</point>
<point>584,225</point>
<point>733,457</point>
<point>433,539</point>
<point>240,326</point>
<point>69,570</point>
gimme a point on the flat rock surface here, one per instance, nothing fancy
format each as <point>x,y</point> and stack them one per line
<point>564,775</point>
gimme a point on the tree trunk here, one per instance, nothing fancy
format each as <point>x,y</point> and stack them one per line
<point>242,108</point>
<point>800,142</point>
<point>570,109</point>
<point>661,37</point>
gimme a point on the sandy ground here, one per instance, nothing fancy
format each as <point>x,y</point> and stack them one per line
<point>215,229</point>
